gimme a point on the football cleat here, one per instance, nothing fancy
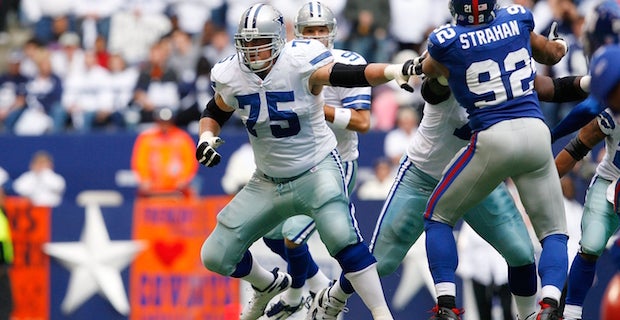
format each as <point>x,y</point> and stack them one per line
<point>548,310</point>
<point>281,310</point>
<point>325,307</point>
<point>257,304</point>
<point>442,313</point>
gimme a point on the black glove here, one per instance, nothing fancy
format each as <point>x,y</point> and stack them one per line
<point>413,66</point>
<point>205,151</point>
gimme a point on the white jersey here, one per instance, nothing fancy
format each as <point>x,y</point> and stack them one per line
<point>436,140</point>
<point>610,125</point>
<point>285,121</point>
<point>353,98</point>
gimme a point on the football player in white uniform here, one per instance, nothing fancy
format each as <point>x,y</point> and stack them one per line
<point>347,111</point>
<point>275,87</point>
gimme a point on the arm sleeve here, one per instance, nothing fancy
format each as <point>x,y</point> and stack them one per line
<point>578,117</point>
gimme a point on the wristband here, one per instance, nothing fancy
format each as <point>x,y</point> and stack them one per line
<point>342,116</point>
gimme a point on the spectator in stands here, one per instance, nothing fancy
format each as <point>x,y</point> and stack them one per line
<point>157,85</point>
<point>163,158</point>
<point>136,27</point>
<point>218,46</point>
<point>41,184</point>
<point>48,18</point>
<point>6,7</point>
<point>397,140</point>
<point>369,29</point>
<point>31,49</point>
<point>190,16</point>
<point>410,34</point>
<point>94,17</point>
<point>69,57</point>
<point>88,98</point>
<point>43,102</point>
<point>183,60</point>
<point>377,187</point>
<point>12,87</point>
<point>195,99</point>
<point>123,78</point>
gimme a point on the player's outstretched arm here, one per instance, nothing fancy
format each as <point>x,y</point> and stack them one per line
<point>565,89</point>
<point>578,147</point>
<point>351,76</point>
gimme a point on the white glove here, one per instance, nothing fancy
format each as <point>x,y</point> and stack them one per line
<point>553,36</point>
<point>397,72</point>
<point>205,150</point>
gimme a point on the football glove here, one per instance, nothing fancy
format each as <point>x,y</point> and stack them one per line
<point>397,73</point>
<point>554,36</point>
<point>414,66</point>
<point>205,150</point>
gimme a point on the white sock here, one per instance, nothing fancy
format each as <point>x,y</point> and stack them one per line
<point>526,306</point>
<point>292,296</point>
<point>259,277</point>
<point>368,286</point>
<point>337,292</point>
<point>317,282</point>
<point>572,312</point>
<point>381,313</point>
<point>552,292</point>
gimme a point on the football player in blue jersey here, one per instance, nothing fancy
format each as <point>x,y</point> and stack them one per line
<point>601,209</point>
<point>347,111</point>
<point>487,58</point>
<point>275,87</point>
<point>442,132</point>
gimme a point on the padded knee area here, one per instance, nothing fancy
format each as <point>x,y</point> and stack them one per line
<point>355,257</point>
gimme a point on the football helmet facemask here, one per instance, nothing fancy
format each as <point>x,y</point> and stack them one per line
<point>260,21</point>
<point>465,14</point>
<point>315,14</point>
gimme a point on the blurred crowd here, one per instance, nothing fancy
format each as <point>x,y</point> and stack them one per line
<point>109,65</point>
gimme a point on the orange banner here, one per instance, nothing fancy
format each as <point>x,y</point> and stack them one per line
<point>30,229</point>
<point>168,280</point>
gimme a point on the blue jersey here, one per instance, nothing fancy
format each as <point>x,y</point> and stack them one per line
<point>491,67</point>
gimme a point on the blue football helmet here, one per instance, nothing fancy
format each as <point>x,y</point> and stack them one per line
<point>473,12</point>
<point>602,26</point>
<point>260,21</point>
<point>605,71</point>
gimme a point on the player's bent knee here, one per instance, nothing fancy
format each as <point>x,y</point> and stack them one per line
<point>214,259</point>
<point>386,267</point>
<point>355,257</point>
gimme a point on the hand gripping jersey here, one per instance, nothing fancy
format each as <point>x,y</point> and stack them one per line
<point>353,98</point>
<point>493,85</point>
<point>285,122</point>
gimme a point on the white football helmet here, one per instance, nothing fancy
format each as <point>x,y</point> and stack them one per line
<point>315,14</point>
<point>260,21</point>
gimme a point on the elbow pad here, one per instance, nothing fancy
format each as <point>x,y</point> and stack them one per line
<point>348,76</point>
<point>565,90</point>
<point>434,92</point>
<point>214,112</point>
